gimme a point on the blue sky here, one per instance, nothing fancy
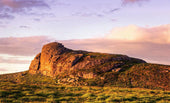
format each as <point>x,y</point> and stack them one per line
<point>138,28</point>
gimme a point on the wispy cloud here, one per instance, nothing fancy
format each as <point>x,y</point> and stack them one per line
<point>6,16</point>
<point>9,8</point>
<point>12,68</point>
<point>125,2</point>
<point>6,58</point>
<point>96,14</point>
<point>36,19</point>
<point>24,27</point>
<point>21,5</point>
<point>14,61</point>
<point>3,70</point>
<point>26,46</point>
<point>113,10</point>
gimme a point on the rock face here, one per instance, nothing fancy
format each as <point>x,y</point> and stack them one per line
<point>55,59</point>
<point>35,64</point>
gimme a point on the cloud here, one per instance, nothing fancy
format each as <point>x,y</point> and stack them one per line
<point>37,19</point>
<point>3,70</point>
<point>12,68</point>
<point>6,16</point>
<point>96,14</point>
<point>8,8</point>
<point>42,14</point>
<point>125,2</point>
<point>5,58</point>
<point>24,27</point>
<point>26,46</point>
<point>21,5</point>
<point>158,34</point>
<point>2,26</point>
<point>113,10</point>
<point>87,14</point>
<point>14,61</point>
<point>149,43</point>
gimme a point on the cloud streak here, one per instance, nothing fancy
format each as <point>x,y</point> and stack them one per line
<point>3,70</point>
<point>96,14</point>
<point>9,8</point>
<point>24,27</point>
<point>26,46</point>
<point>21,5</point>
<point>6,16</point>
<point>6,58</point>
<point>12,68</point>
<point>125,2</point>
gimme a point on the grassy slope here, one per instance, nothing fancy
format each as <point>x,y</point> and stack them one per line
<point>26,78</point>
<point>11,92</point>
<point>147,75</point>
<point>24,87</point>
<point>144,75</point>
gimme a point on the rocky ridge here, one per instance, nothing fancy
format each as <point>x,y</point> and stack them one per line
<point>55,60</point>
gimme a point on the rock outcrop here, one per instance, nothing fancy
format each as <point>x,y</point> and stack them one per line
<point>55,59</point>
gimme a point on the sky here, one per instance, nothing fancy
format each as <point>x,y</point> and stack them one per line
<point>137,28</point>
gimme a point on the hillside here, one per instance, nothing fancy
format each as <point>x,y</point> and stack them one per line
<point>50,93</point>
<point>59,65</point>
<point>55,59</point>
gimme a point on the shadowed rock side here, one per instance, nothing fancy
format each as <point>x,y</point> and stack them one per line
<point>55,59</point>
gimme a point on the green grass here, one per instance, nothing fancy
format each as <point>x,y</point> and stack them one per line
<point>54,93</point>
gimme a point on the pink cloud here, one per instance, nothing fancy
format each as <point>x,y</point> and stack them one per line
<point>8,8</point>
<point>3,70</point>
<point>20,4</point>
<point>9,3</point>
<point>15,60</point>
<point>158,34</point>
<point>124,2</point>
<point>25,46</point>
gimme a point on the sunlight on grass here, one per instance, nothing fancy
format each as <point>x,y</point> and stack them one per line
<point>63,93</point>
